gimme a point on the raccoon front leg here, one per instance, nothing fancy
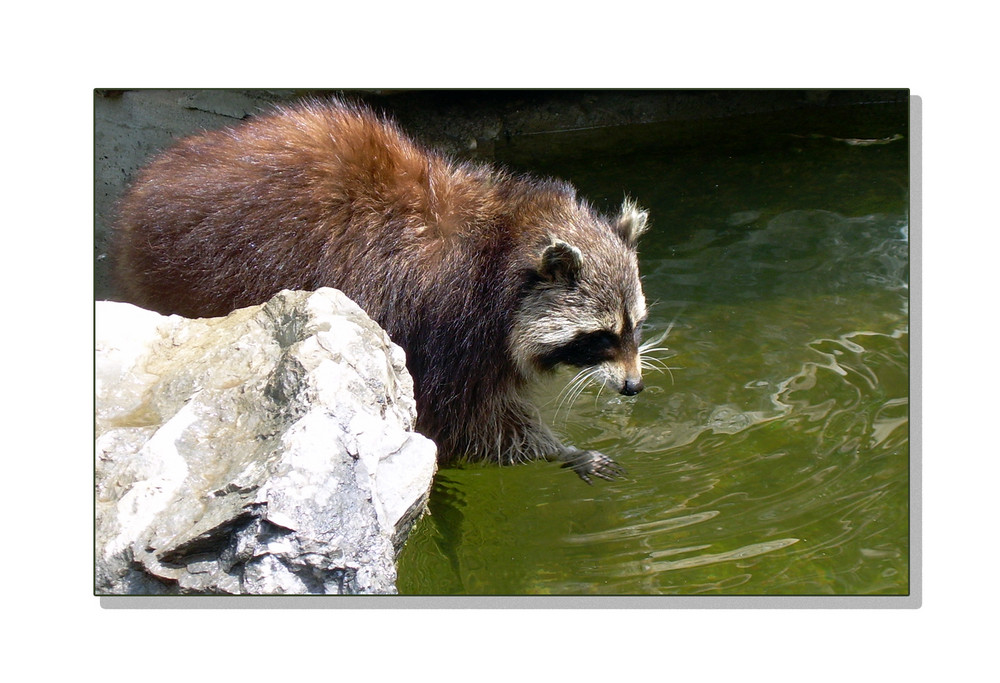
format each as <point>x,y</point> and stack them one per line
<point>585,463</point>
<point>589,464</point>
<point>523,436</point>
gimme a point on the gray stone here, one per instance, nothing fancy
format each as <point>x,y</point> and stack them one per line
<point>270,451</point>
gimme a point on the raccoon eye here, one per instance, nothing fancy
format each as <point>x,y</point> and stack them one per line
<point>639,327</point>
<point>634,328</point>
<point>586,348</point>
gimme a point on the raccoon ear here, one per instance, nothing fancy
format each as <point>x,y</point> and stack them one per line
<point>632,222</point>
<point>560,262</point>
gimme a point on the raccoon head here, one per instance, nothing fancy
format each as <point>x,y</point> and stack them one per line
<point>583,306</point>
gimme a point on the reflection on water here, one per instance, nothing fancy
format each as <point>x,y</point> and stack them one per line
<point>773,458</point>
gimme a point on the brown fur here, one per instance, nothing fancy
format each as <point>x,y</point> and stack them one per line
<point>441,254</point>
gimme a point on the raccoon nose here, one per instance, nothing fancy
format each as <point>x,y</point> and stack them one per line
<point>633,385</point>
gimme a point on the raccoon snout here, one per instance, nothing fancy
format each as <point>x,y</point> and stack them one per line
<point>632,386</point>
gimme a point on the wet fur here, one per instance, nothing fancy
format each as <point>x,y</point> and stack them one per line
<point>463,265</point>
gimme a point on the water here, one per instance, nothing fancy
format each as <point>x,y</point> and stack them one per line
<point>773,458</point>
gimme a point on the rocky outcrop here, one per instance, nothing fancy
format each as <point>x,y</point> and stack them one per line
<point>270,451</point>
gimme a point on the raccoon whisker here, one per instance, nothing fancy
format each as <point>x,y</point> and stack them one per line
<point>598,397</point>
<point>650,345</point>
<point>564,393</point>
<point>647,365</point>
<point>654,343</point>
<point>573,389</point>
<point>585,381</point>
<point>579,384</point>
<point>654,367</point>
<point>653,361</point>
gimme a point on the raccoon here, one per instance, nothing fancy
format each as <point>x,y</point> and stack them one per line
<point>488,280</point>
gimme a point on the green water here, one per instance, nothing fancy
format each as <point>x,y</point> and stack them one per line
<point>773,459</point>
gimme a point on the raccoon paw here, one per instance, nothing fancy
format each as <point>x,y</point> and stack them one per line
<point>589,464</point>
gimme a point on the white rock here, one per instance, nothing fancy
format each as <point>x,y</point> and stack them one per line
<point>270,451</point>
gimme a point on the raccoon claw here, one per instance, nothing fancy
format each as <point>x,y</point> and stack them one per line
<point>592,463</point>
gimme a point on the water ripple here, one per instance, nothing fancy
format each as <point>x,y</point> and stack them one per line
<point>643,529</point>
<point>747,551</point>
